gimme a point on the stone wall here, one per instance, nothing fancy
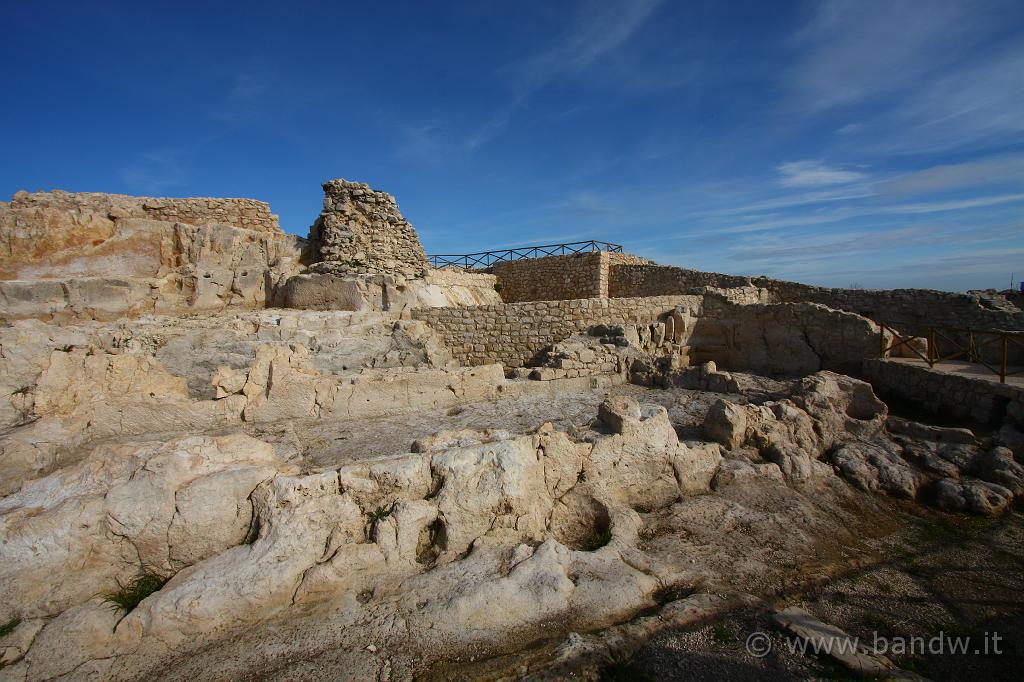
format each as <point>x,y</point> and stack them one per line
<point>554,278</point>
<point>515,333</point>
<point>787,339</point>
<point>981,400</point>
<point>247,214</point>
<point>627,280</point>
<point>910,310</point>
<point>361,231</point>
<point>559,278</point>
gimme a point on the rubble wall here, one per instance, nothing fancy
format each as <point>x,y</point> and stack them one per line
<point>515,333</point>
<point>247,214</point>
<point>983,400</point>
<point>559,278</point>
<point>911,310</point>
<point>361,231</point>
<point>628,280</point>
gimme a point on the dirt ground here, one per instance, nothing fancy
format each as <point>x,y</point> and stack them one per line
<point>959,576</point>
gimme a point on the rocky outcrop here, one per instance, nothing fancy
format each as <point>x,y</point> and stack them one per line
<point>98,256</point>
<point>436,289</point>
<point>67,386</point>
<point>246,540</point>
<point>838,420</point>
<point>826,410</point>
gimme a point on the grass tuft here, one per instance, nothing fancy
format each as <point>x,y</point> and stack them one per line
<point>597,540</point>
<point>379,514</point>
<point>8,627</point>
<point>723,634</point>
<point>130,595</point>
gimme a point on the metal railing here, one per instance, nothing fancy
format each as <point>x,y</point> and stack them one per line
<point>971,345</point>
<point>485,259</point>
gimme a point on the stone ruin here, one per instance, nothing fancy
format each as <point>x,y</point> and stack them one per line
<point>361,231</point>
<point>227,451</point>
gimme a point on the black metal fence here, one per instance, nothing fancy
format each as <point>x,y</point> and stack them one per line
<point>485,259</point>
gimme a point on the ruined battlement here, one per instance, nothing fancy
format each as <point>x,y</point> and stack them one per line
<point>247,214</point>
<point>362,231</point>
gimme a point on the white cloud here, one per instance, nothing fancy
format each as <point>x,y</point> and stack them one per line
<point>855,49</point>
<point>761,223</point>
<point>596,30</point>
<point>154,172</point>
<point>993,171</point>
<point>815,174</point>
<point>981,102</point>
<point>845,244</point>
<point>586,204</point>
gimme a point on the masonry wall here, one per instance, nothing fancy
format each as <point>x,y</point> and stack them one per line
<point>515,333</point>
<point>941,393</point>
<point>247,214</point>
<point>560,278</point>
<point>626,280</point>
<point>910,310</point>
<point>555,278</point>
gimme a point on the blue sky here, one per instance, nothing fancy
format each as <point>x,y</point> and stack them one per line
<point>877,143</point>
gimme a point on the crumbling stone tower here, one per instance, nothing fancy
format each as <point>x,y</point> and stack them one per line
<point>361,231</point>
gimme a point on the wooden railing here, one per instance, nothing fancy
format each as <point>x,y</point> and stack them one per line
<point>989,348</point>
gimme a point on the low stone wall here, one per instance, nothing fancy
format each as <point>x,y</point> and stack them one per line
<point>627,280</point>
<point>247,214</point>
<point>911,310</point>
<point>515,333</point>
<point>944,393</point>
<point>561,278</point>
<point>460,278</point>
<point>555,278</point>
<point>790,339</point>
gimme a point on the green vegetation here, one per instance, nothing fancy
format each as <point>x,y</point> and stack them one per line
<point>379,514</point>
<point>8,627</point>
<point>138,588</point>
<point>597,540</point>
<point>723,634</point>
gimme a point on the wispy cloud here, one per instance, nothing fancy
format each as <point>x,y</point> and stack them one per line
<point>927,77</point>
<point>597,29</point>
<point>815,174</point>
<point>586,204</point>
<point>247,96</point>
<point>864,210</point>
<point>992,171</point>
<point>155,172</point>
<point>850,243</point>
<point>420,142</point>
<point>854,49</point>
